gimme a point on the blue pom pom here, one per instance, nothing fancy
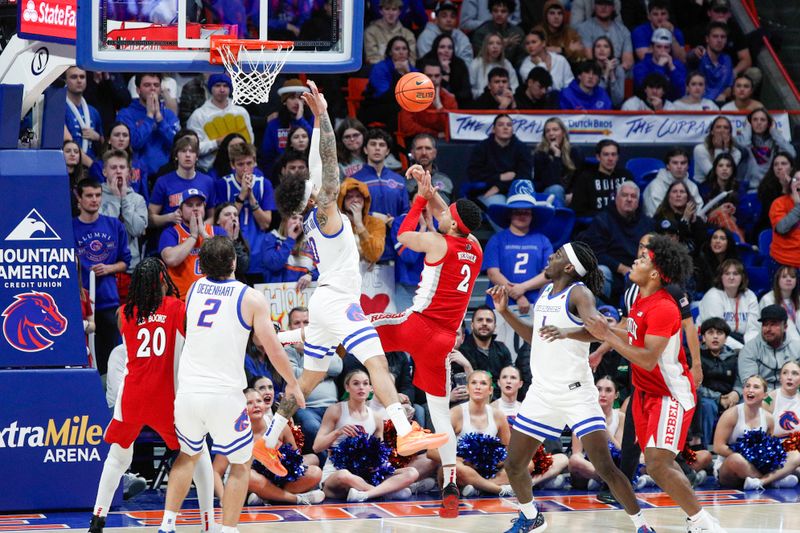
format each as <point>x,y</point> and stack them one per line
<point>293,461</point>
<point>483,452</point>
<point>616,453</point>
<point>761,450</point>
<point>364,456</point>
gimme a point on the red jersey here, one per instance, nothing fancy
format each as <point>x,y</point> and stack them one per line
<point>445,286</point>
<point>148,389</point>
<point>658,315</point>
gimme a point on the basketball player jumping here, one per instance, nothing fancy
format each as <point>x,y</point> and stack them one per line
<point>220,312</point>
<point>664,395</point>
<point>335,314</point>
<point>562,390</point>
<point>152,326</point>
<point>427,330</point>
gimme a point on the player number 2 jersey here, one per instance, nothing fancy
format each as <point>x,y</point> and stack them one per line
<point>658,315</point>
<point>445,287</point>
<point>336,255</point>
<point>153,346</point>
<point>216,338</point>
<point>560,366</point>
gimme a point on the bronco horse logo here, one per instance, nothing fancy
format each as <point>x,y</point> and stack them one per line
<point>788,420</point>
<point>25,316</point>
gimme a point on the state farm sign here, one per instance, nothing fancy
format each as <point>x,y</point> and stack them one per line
<point>48,19</point>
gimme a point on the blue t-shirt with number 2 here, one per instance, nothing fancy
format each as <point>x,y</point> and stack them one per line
<point>519,258</point>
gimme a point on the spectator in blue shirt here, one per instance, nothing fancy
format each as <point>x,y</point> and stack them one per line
<point>151,124</point>
<point>657,17</point>
<point>662,62</point>
<point>167,195</point>
<point>716,65</point>
<point>253,196</point>
<point>102,246</point>
<point>516,256</point>
<point>387,188</point>
<point>584,92</point>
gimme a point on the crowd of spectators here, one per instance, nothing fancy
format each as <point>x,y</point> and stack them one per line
<point>157,172</point>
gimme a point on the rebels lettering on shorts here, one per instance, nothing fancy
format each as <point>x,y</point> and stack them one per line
<point>672,423</point>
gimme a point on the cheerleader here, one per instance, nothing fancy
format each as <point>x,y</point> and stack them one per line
<point>302,491</point>
<point>348,419</point>
<point>510,383</point>
<point>478,416</point>
<point>731,468</point>
<point>582,472</point>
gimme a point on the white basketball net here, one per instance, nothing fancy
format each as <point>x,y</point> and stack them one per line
<point>253,71</point>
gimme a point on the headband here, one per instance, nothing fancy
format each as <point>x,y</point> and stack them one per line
<point>655,266</point>
<point>573,259</point>
<point>309,187</point>
<point>459,223</point>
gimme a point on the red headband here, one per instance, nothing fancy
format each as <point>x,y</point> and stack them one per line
<point>658,270</point>
<point>459,223</point>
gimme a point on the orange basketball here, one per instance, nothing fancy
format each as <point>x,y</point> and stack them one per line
<point>414,92</point>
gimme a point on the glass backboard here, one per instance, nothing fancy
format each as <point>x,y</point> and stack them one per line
<point>173,35</point>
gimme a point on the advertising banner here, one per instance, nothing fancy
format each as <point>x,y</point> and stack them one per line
<point>40,310</point>
<point>51,438</point>
<point>48,20</point>
<point>591,128</point>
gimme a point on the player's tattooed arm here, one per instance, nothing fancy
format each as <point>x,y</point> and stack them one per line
<point>288,406</point>
<point>330,167</point>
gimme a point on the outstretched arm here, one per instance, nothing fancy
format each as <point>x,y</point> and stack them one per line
<point>436,203</point>
<point>329,185</point>
<point>499,296</point>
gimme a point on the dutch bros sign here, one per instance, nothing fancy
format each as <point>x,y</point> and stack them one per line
<point>47,20</point>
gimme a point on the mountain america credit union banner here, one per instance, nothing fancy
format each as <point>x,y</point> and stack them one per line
<point>40,315</point>
<point>590,128</point>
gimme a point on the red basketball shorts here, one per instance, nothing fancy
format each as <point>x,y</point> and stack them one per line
<point>427,343</point>
<point>124,433</point>
<point>660,421</point>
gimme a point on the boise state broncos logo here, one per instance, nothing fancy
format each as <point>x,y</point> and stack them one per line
<point>27,316</point>
<point>788,420</point>
<point>242,423</point>
<point>355,313</point>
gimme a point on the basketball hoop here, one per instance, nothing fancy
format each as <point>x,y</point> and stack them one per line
<point>252,65</point>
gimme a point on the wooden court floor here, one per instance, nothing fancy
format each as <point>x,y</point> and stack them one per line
<point>772,511</point>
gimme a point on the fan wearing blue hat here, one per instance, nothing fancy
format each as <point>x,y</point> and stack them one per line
<point>516,256</point>
<point>217,118</point>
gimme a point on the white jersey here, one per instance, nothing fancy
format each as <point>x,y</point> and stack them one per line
<point>466,422</point>
<point>786,413</point>
<point>216,338</point>
<point>613,423</point>
<point>336,255</point>
<point>560,366</point>
<point>347,419</point>
<point>741,426</point>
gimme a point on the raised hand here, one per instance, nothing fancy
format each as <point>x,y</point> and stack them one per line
<point>315,100</point>
<point>499,296</point>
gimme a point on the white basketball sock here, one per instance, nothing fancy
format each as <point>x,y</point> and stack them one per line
<point>204,483</point>
<point>529,510</point>
<point>397,415</point>
<point>117,462</point>
<point>638,519</point>
<point>439,407</point>
<point>275,429</point>
<point>168,522</point>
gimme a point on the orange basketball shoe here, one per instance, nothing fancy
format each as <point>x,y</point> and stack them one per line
<point>419,439</point>
<point>269,457</point>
